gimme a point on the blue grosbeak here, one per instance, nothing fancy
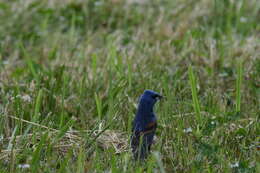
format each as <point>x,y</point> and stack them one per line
<point>144,125</point>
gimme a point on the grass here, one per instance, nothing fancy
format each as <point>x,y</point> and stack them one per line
<point>71,73</point>
<point>238,86</point>
<point>196,105</point>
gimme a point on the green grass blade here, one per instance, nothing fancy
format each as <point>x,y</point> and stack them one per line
<point>94,65</point>
<point>63,131</point>
<point>194,94</point>
<point>98,105</point>
<point>35,163</point>
<point>81,161</point>
<point>238,86</point>
<point>38,105</point>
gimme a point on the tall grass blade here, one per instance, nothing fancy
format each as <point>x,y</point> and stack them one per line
<point>194,94</point>
<point>80,161</point>
<point>37,153</point>
<point>11,147</point>
<point>94,65</point>
<point>238,86</point>
<point>36,114</point>
<point>99,105</point>
<point>38,105</point>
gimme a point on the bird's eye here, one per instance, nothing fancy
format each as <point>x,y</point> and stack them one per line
<point>154,96</point>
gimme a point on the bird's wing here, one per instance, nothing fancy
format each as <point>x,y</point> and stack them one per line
<point>150,128</point>
<point>147,133</point>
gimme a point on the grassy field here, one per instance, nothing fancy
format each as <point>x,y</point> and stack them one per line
<point>71,72</point>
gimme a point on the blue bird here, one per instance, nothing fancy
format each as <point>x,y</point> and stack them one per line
<point>144,125</point>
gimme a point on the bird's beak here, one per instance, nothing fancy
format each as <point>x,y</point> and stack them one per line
<point>160,97</point>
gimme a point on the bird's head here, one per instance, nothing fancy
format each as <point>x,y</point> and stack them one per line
<point>150,97</point>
